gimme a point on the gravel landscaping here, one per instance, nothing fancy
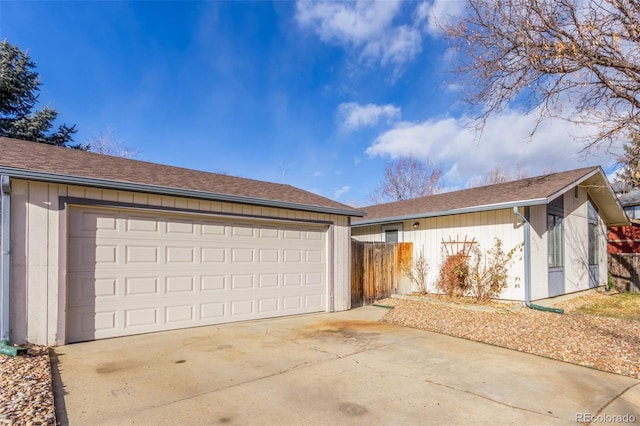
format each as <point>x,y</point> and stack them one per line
<point>608,344</point>
<point>26,396</point>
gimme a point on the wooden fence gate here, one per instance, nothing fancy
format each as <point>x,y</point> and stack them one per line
<point>376,269</point>
<point>625,271</point>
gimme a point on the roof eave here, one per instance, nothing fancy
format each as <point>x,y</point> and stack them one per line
<point>160,190</point>
<point>473,209</point>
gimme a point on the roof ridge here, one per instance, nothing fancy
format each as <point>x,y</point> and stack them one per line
<point>485,187</point>
<point>41,161</point>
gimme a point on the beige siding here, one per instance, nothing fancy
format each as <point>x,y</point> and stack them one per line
<point>576,247</point>
<point>538,252</point>
<point>369,234</point>
<point>39,245</point>
<point>576,244</point>
<point>483,226</point>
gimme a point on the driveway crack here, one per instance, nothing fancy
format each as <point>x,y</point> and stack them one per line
<point>628,388</point>
<point>478,395</point>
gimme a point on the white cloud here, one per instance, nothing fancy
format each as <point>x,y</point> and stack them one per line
<point>505,141</point>
<point>366,26</point>
<point>355,116</point>
<point>347,22</point>
<point>438,12</point>
<point>340,192</point>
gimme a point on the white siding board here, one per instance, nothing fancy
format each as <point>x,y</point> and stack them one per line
<point>18,290</point>
<point>125,197</point>
<point>76,191</point>
<point>37,261</point>
<point>53,274</point>
<point>538,250</point>
<point>142,199</point>
<point>107,195</point>
<point>154,200</point>
<point>93,193</point>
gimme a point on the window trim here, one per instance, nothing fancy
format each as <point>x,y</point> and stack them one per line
<point>593,226</point>
<point>392,227</point>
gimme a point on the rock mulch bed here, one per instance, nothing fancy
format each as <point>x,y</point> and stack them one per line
<point>26,395</point>
<point>607,344</point>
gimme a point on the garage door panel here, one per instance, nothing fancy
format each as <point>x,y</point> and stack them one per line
<point>136,254</point>
<point>268,280</point>
<point>212,283</point>
<point>87,288</point>
<point>213,255</point>
<point>268,305</point>
<point>89,223</point>
<point>242,231</point>
<point>141,225</point>
<point>242,255</point>
<point>210,229</point>
<point>313,301</point>
<point>180,284</point>
<point>130,276</point>
<point>180,254</point>
<point>242,281</point>
<point>85,254</point>
<point>142,286</point>
<point>241,308</point>
<point>182,313</point>
<point>213,312</point>
<point>146,318</point>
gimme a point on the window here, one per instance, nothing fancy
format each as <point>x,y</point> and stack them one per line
<point>392,232</point>
<point>391,236</point>
<point>554,241</point>
<point>633,212</point>
<point>593,234</point>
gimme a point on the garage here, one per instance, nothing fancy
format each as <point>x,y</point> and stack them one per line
<point>134,272</point>
<point>99,247</point>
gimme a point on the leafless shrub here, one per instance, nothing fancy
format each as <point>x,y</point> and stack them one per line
<point>417,270</point>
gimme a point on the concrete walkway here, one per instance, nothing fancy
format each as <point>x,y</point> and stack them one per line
<point>340,368</point>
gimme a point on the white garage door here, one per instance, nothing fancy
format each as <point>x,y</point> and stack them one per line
<point>134,272</point>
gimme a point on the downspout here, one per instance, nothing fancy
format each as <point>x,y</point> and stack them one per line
<point>5,347</point>
<point>527,263</point>
<point>527,254</point>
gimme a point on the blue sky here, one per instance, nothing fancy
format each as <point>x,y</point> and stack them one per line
<point>316,95</point>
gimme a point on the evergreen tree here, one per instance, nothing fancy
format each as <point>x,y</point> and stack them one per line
<point>19,86</point>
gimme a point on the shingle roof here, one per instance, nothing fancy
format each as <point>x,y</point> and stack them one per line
<point>519,191</point>
<point>33,160</point>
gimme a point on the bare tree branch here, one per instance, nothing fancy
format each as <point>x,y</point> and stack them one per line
<point>578,60</point>
<point>106,143</point>
<point>407,178</point>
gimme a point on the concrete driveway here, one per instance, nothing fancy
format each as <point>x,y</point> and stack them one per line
<point>340,368</point>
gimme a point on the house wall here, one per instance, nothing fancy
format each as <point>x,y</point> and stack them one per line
<point>503,224</point>
<point>483,226</point>
<point>576,246</point>
<point>39,245</point>
<point>577,243</point>
<point>538,252</point>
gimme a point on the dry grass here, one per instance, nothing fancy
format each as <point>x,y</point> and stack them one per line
<point>617,305</point>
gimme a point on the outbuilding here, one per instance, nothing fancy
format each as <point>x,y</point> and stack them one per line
<point>96,246</point>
